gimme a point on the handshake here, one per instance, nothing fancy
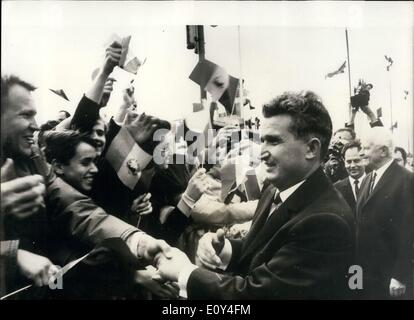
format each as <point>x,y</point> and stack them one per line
<point>172,262</point>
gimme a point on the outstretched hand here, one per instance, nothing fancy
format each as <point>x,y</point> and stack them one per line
<point>170,268</point>
<point>148,279</point>
<point>209,247</point>
<point>198,185</point>
<point>37,268</point>
<point>149,247</point>
<point>142,128</point>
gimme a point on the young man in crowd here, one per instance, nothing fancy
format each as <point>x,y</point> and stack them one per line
<point>354,165</point>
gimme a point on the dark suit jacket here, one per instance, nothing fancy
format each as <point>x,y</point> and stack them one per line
<point>302,251</point>
<point>345,188</point>
<point>385,230</point>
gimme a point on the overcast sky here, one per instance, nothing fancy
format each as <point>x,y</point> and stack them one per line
<point>279,46</point>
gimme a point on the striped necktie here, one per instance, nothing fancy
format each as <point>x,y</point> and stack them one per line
<point>277,202</point>
<point>356,184</point>
<point>372,182</point>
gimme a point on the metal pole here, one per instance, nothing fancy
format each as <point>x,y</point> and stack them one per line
<point>349,71</point>
<point>392,122</point>
<point>201,53</point>
<point>241,93</point>
<point>409,122</point>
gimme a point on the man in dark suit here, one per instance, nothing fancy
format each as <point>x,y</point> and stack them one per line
<point>385,226</point>
<point>300,244</point>
<point>354,165</point>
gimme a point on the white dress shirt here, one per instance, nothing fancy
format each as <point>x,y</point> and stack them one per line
<point>352,182</point>
<point>284,195</point>
<point>381,171</point>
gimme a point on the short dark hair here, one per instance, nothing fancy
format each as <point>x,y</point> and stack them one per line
<point>403,153</point>
<point>350,145</point>
<point>9,81</point>
<point>67,114</point>
<point>309,116</point>
<point>351,132</point>
<point>61,145</point>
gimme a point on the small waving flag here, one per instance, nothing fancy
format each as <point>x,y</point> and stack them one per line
<point>211,77</point>
<point>395,125</point>
<point>197,107</point>
<point>229,96</point>
<point>405,94</point>
<point>126,158</point>
<point>133,65</point>
<point>60,93</point>
<point>390,62</point>
<point>341,69</point>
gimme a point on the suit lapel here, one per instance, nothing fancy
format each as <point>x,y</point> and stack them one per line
<point>365,195</point>
<point>384,178</point>
<point>299,200</point>
<point>261,214</point>
<point>277,219</point>
<point>363,192</point>
<point>349,191</point>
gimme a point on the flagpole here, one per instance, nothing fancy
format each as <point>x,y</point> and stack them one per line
<point>349,71</point>
<point>240,79</point>
<point>389,80</point>
<point>201,54</point>
<point>408,126</point>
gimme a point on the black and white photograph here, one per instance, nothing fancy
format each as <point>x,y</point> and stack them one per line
<point>207,150</point>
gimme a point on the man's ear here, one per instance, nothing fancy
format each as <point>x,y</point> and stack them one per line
<point>313,148</point>
<point>57,167</point>
<point>384,151</point>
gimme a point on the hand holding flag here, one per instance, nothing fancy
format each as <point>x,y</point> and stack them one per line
<point>142,128</point>
<point>112,57</point>
<point>127,60</point>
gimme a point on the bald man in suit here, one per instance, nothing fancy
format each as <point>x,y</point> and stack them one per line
<point>385,221</point>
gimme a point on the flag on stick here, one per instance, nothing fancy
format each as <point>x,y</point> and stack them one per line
<point>390,62</point>
<point>128,62</point>
<point>405,94</point>
<point>133,65</point>
<point>210,77</point>
<point>127,158</point>
<point>60,93</point>
<point>341,69</point>
<point>229,96</point>
<point>197,107</point>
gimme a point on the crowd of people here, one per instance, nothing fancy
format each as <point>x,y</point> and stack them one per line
<point>144,218</point>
